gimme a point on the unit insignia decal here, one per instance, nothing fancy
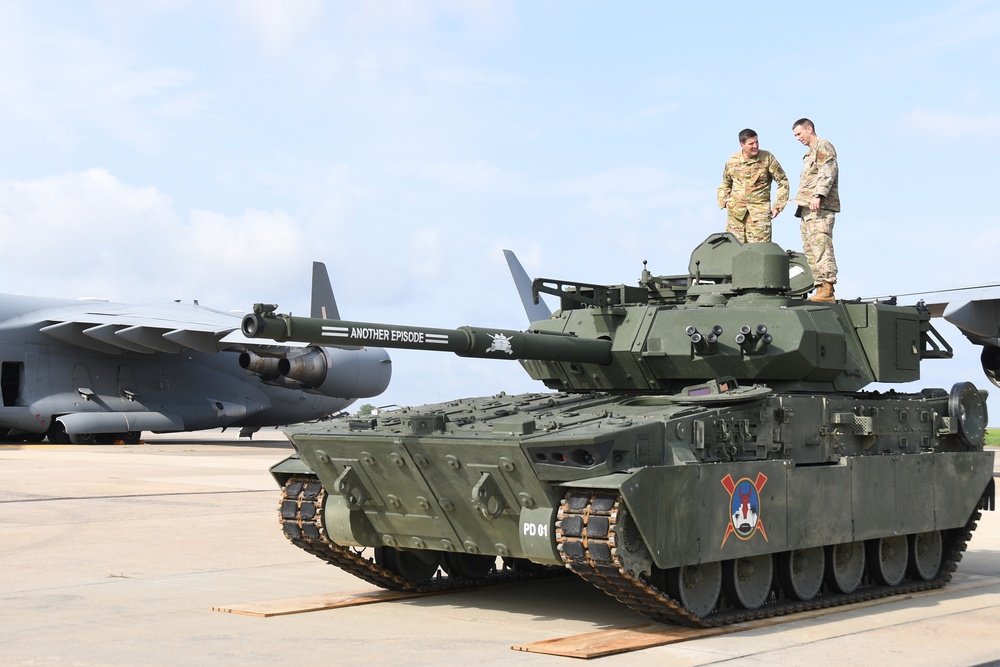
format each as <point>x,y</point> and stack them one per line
<point>501,343</point>
<point>744,507</point>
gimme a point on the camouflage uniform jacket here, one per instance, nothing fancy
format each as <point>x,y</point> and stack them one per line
<point>746,184</point>
<point>820,176</point>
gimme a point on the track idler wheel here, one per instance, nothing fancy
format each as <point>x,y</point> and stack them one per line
<point>633,555</point>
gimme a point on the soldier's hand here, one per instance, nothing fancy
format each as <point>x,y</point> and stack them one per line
<point>774,212</point>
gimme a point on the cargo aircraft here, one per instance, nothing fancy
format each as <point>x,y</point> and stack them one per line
<point>86,371</point>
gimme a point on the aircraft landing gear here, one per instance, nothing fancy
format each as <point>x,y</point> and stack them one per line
<point>57,434</point>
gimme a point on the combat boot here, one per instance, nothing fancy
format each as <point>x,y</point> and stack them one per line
<point>824,293</point>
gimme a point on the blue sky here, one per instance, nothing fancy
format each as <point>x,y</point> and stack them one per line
<point>210,150</point>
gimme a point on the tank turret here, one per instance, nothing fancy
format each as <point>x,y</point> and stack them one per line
<point>708,455</point>
<point>735,314</point>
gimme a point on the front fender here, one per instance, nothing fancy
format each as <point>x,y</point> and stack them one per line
<point>290,467</point>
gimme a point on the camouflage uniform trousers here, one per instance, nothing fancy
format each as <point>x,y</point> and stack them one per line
<point>755,227</point>
<point>817,244</point>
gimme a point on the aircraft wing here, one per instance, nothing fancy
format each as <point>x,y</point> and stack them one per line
<point>143,328</point>
<point>165,327</point>
<point>116,369</point>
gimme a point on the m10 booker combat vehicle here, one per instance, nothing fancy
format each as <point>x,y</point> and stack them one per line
<point>709,454</point>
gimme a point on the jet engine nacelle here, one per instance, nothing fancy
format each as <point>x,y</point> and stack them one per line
<point>332,371</point>
<point>266,367</point>
<point>979,321</point>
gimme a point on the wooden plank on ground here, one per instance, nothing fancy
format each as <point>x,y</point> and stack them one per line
<point>301,605</point>
<point>623,640</point>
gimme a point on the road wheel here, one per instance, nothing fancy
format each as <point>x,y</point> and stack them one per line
<point>747,581</point>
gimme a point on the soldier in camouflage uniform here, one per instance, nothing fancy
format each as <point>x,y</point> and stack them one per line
<point>746,190</point>
<point>817,200</point>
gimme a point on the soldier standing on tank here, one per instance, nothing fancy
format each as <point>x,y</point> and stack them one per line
<point>817,200</point>
<point>746,190</point>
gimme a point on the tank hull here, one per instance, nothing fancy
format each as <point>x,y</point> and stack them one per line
<point>660,497</point>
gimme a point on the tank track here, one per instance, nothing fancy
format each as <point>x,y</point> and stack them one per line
<point>586,537</point>
<point>301,517</point>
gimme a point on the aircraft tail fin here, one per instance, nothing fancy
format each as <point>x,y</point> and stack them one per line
<point>534,311</point>
<point>324,305</point>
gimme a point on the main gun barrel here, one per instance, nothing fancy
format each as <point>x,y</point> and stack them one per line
<point>464,341</point>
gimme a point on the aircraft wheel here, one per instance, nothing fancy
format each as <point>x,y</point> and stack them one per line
<point>417,567</point>
<point>83,438</point>
<point>801,572</point>
<point>845,566</point>
<point>468,566</point>
<point>926,550</point>
<point>991,363</point>
<point>747,581</point>
<point>57,434</point>
<point>887,559</point>
<point>132,437</point>
<point>696,587</point>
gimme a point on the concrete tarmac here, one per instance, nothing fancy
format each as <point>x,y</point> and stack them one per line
<point>116,555</point>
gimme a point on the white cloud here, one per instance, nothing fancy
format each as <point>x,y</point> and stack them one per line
<point>948,29</point>
<point>280,24</point>
<point>477,18</point>
<point>89,234</point>
<point>647,117</point>
<point>426,258</point>
<point>213,238</point>
<point>79,232</point>
<point>66,85</point>
<point>461,74</point>
<point>79,212</point>
<point>950,125</point>
<point>467,175</point>
<point>631,180</point>
<point>633,193</point>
